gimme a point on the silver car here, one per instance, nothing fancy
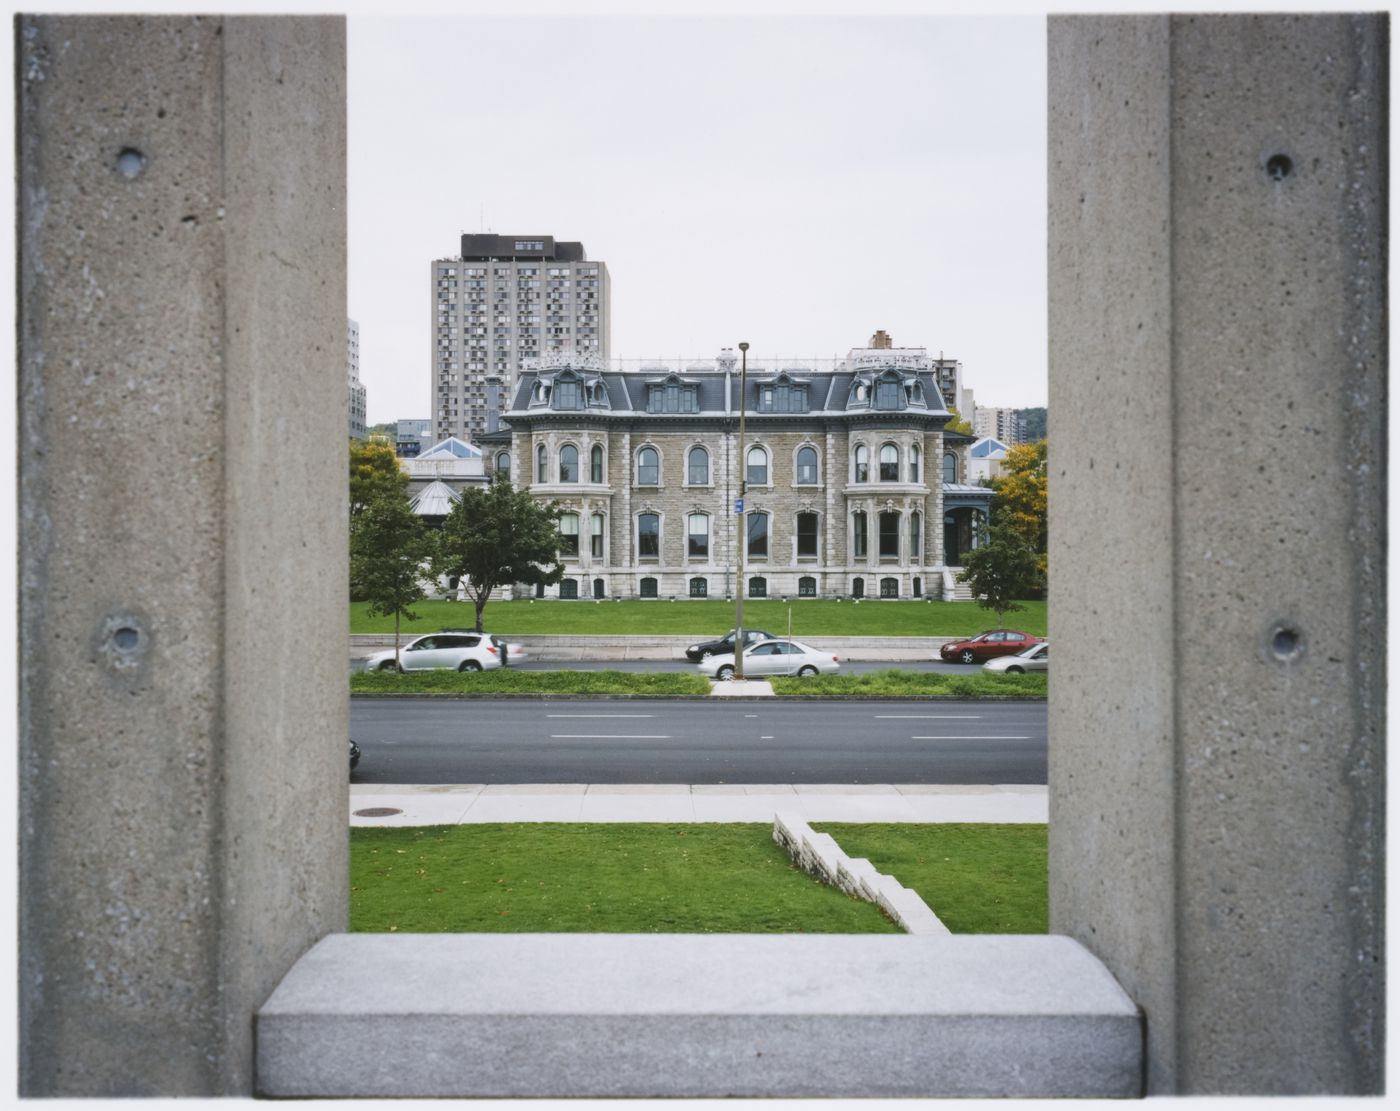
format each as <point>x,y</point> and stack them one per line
<point>459,651</point>
<point>772,657</point>
<point>1034,658</point>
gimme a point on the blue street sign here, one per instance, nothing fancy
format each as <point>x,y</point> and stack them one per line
<point>738,505</point>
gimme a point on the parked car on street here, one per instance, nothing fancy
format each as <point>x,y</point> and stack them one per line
<point>773,657</point>
<point>460,651</point>
<point>987,646</point>
<point>354,755</point>
<point>1034,658</point>
<point>697,652</point>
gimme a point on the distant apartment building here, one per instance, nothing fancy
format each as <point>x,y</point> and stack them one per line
<point>413,437</point>
<point>352,375</point>
<point>1005,425</point>
<point>503,300</point>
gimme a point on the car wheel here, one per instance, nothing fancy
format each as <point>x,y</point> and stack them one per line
<point>706,655</point>
<point>966,656</point>
<point>389,665</point>
<point>806,672</point>
<point>725,673</point>
<point>1015,670</point>
<point>469,665</point>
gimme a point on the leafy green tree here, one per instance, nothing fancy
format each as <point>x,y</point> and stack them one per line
<point>497,536</point>
<point>959,423</point>
<point>374,473</point>
<point>388,549</point>
<point>1020,498</point>
<point>1003,569</point>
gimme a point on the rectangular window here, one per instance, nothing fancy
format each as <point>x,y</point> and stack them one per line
<point>889,535</point>
<point>887,395</point>
<point>597,543</point>
<point>859,539</point>
<point>648,536</point>
<point>699,547</point>
<point>758,535</point>
<point>567,395</point>
<point>806,536</point>
<point>568,535</point>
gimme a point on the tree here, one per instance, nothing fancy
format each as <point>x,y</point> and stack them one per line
<point>374,473</point>
<point>388,547</point>
<point>1020,498</point>
<point>1001,570</point>
<point>959,423</point>
<point>497,536</point>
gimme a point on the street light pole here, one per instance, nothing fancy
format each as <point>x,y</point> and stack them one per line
<point>741,511</point>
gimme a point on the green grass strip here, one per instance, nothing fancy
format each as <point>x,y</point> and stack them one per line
<point>595,877</point>
<point>811,617</point>
<point>506,681</point>
<point>979,878</point>
<point>893,682</point>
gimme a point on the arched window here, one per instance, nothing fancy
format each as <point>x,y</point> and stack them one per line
<point>806,536</point>
<point>568,588</point>
<point>698,467</point>
<point>541,464</point>
<point>889,535</point>
<point>568,463</point>
<point>859,535</point>
<point>596,537</point>
<point>758,587</point>
<point>918,587</point>
<point>568,535</point>
<point>806,587</point>
<point>857,587</point>
<point>806,466</point>
<point>757,467</point>
<point>698,531</point>
<point>915,457</point>
<point>648,467</point>
<point>950,467</point>
<point>648,587</point>
<point>503,463</point>
<point>862,463</point>
<point>758,536</point>
<point>648,536</point>
<point>889,463</point>
<point>916,533</point>
<point>598,588</point>
<point>889,588</point>
<point>595,468</point>
<point>699,588</point>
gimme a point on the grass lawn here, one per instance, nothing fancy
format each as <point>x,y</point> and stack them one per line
<point>979,878</point>
<point>892,682</point>
<point>528,682</point>
<point>810,617</point>
<point>602,877</point>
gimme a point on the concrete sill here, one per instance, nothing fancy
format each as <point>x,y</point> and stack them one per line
<point>651,1015</point>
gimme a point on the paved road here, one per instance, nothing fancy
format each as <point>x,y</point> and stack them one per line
<point>848,667</point>
<point>481,741</point>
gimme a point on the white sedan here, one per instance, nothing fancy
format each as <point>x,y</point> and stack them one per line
<point>772,657</point>
<point>1034,658</point>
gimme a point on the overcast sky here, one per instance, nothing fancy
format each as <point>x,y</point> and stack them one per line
<point>797,182</point>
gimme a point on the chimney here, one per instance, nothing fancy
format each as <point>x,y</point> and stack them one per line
<point>881,341</point>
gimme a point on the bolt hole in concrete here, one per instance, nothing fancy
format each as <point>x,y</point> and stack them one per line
<point>130,162</point>
<point>1279,167</point>
<point>1286,644</point>
<point>126,639</point>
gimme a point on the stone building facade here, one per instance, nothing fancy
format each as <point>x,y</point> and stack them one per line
<point>852,487</point>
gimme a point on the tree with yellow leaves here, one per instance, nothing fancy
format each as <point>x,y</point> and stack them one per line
<point>1020,501</point>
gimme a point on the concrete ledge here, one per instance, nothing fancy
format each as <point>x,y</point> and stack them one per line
<point>611,1015</point>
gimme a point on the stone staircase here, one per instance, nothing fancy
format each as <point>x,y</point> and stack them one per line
<point>954,591</point>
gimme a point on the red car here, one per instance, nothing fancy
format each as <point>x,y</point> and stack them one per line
<point>988,646</point>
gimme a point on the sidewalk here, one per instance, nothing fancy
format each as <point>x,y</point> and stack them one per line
<point>445,804</point>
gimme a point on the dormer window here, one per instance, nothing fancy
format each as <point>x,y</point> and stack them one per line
<point>672,396</point>
<point>568,394</point>
<point>782,396</point>
<point>888,394</point>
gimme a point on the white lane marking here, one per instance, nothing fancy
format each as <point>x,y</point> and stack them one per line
<point>971,737</point>
<point>769,738</point>
<point>928,717</point>
<point>750,715</point>
<point>610,736</point>
<point>600,715</point>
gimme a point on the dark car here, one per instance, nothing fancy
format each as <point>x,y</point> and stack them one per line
<point>354,755</point>
<point>988,646</point>
<point>697,652</point>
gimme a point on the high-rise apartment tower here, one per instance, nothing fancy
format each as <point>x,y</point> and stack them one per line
<point>352,379</point>
<point>506,299</point>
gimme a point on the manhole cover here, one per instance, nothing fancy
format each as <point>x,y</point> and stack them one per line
<point>377,812</point>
